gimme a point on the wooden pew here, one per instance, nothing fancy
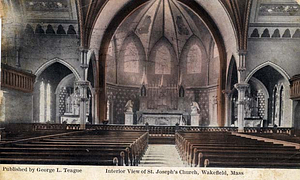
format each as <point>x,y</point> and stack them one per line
<point>83,148</point>
<point>226,150</point>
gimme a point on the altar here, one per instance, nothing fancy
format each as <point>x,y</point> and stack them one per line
<point>170,118</point>
<point>254,122</point>
<point>70,119</point>
<point>162,104</point>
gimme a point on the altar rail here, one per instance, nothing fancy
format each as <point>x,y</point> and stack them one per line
<point>152,129</point>
<point>116,127</point>
<point>277,130</point>
<point>208,129</point>
<point>41,126</point>
<point>16,79</point>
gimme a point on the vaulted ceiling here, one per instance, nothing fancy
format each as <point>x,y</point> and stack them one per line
<point>238,11</point>
<point>88,11</point>
<point>164,20</point>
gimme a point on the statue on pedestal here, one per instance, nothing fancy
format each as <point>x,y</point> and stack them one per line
<point>129,106</point>
<point>195,108</point>
<point>129,113</point>
<point>195,115</point>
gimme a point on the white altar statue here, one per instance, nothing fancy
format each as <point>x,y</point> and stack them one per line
<point>195,108</point>
<point>129,106</point>
<point>129,113</point>
<point>195,115</point>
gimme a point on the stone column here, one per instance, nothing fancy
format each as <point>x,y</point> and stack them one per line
<point>242,65</point>
<point>241,87</point>
<point>227,94</point>
<point>97,104</point>
<point>83,85</point>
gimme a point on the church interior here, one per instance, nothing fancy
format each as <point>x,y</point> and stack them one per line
<point>207,81</point>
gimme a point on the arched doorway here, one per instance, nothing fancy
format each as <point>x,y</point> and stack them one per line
<point>277,104</point>
<point>53,89</point>
<point>232,93</point>
<point>199,12</point>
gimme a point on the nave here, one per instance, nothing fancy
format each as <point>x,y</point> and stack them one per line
<point>153,146</point>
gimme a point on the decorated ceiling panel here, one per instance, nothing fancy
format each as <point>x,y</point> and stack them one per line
<point>275,11</point>
<point>50,9</point>
<point>164,18</point>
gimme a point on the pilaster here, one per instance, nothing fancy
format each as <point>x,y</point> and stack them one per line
<point>241,87</point>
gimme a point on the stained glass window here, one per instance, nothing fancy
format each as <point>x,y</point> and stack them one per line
<point>194,60</point>
<point>131,59</point>
<point>163,61</point>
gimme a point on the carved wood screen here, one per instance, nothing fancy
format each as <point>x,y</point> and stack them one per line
<point>295,87</point>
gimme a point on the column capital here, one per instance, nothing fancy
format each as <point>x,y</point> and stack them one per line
<point>85,66</point>
<point>242,52</point>
<point>226,91</point>
<point>83,49</point>
<point>241,86</point>
<point>82,83</point>
<point>242,60</point>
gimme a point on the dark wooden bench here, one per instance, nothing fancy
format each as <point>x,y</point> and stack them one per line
<point>82,148</point>
<point>217,149</point>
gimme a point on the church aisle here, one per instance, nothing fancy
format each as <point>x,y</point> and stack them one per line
<point>160,155</point>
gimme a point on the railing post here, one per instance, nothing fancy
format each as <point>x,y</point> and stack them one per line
<point>176,127</point>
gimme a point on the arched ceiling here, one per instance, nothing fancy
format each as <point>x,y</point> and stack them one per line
<point>213,13</point>
<point>238,11</point>
<point>164,19</point>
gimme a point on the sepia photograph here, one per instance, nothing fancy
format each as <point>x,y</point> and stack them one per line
<point>150,89</point>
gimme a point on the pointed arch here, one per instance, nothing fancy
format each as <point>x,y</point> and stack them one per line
<point>194,58</point>
<point>192,49</point>
<point>163,56</point>
<point>163,60</point>
<point>232,74</point>
<point>104,30</point>
<point>39,71</point>
<point>273,65</point>
<point>262,95</point>
<point>92,70</point>
<point>132,54</point>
